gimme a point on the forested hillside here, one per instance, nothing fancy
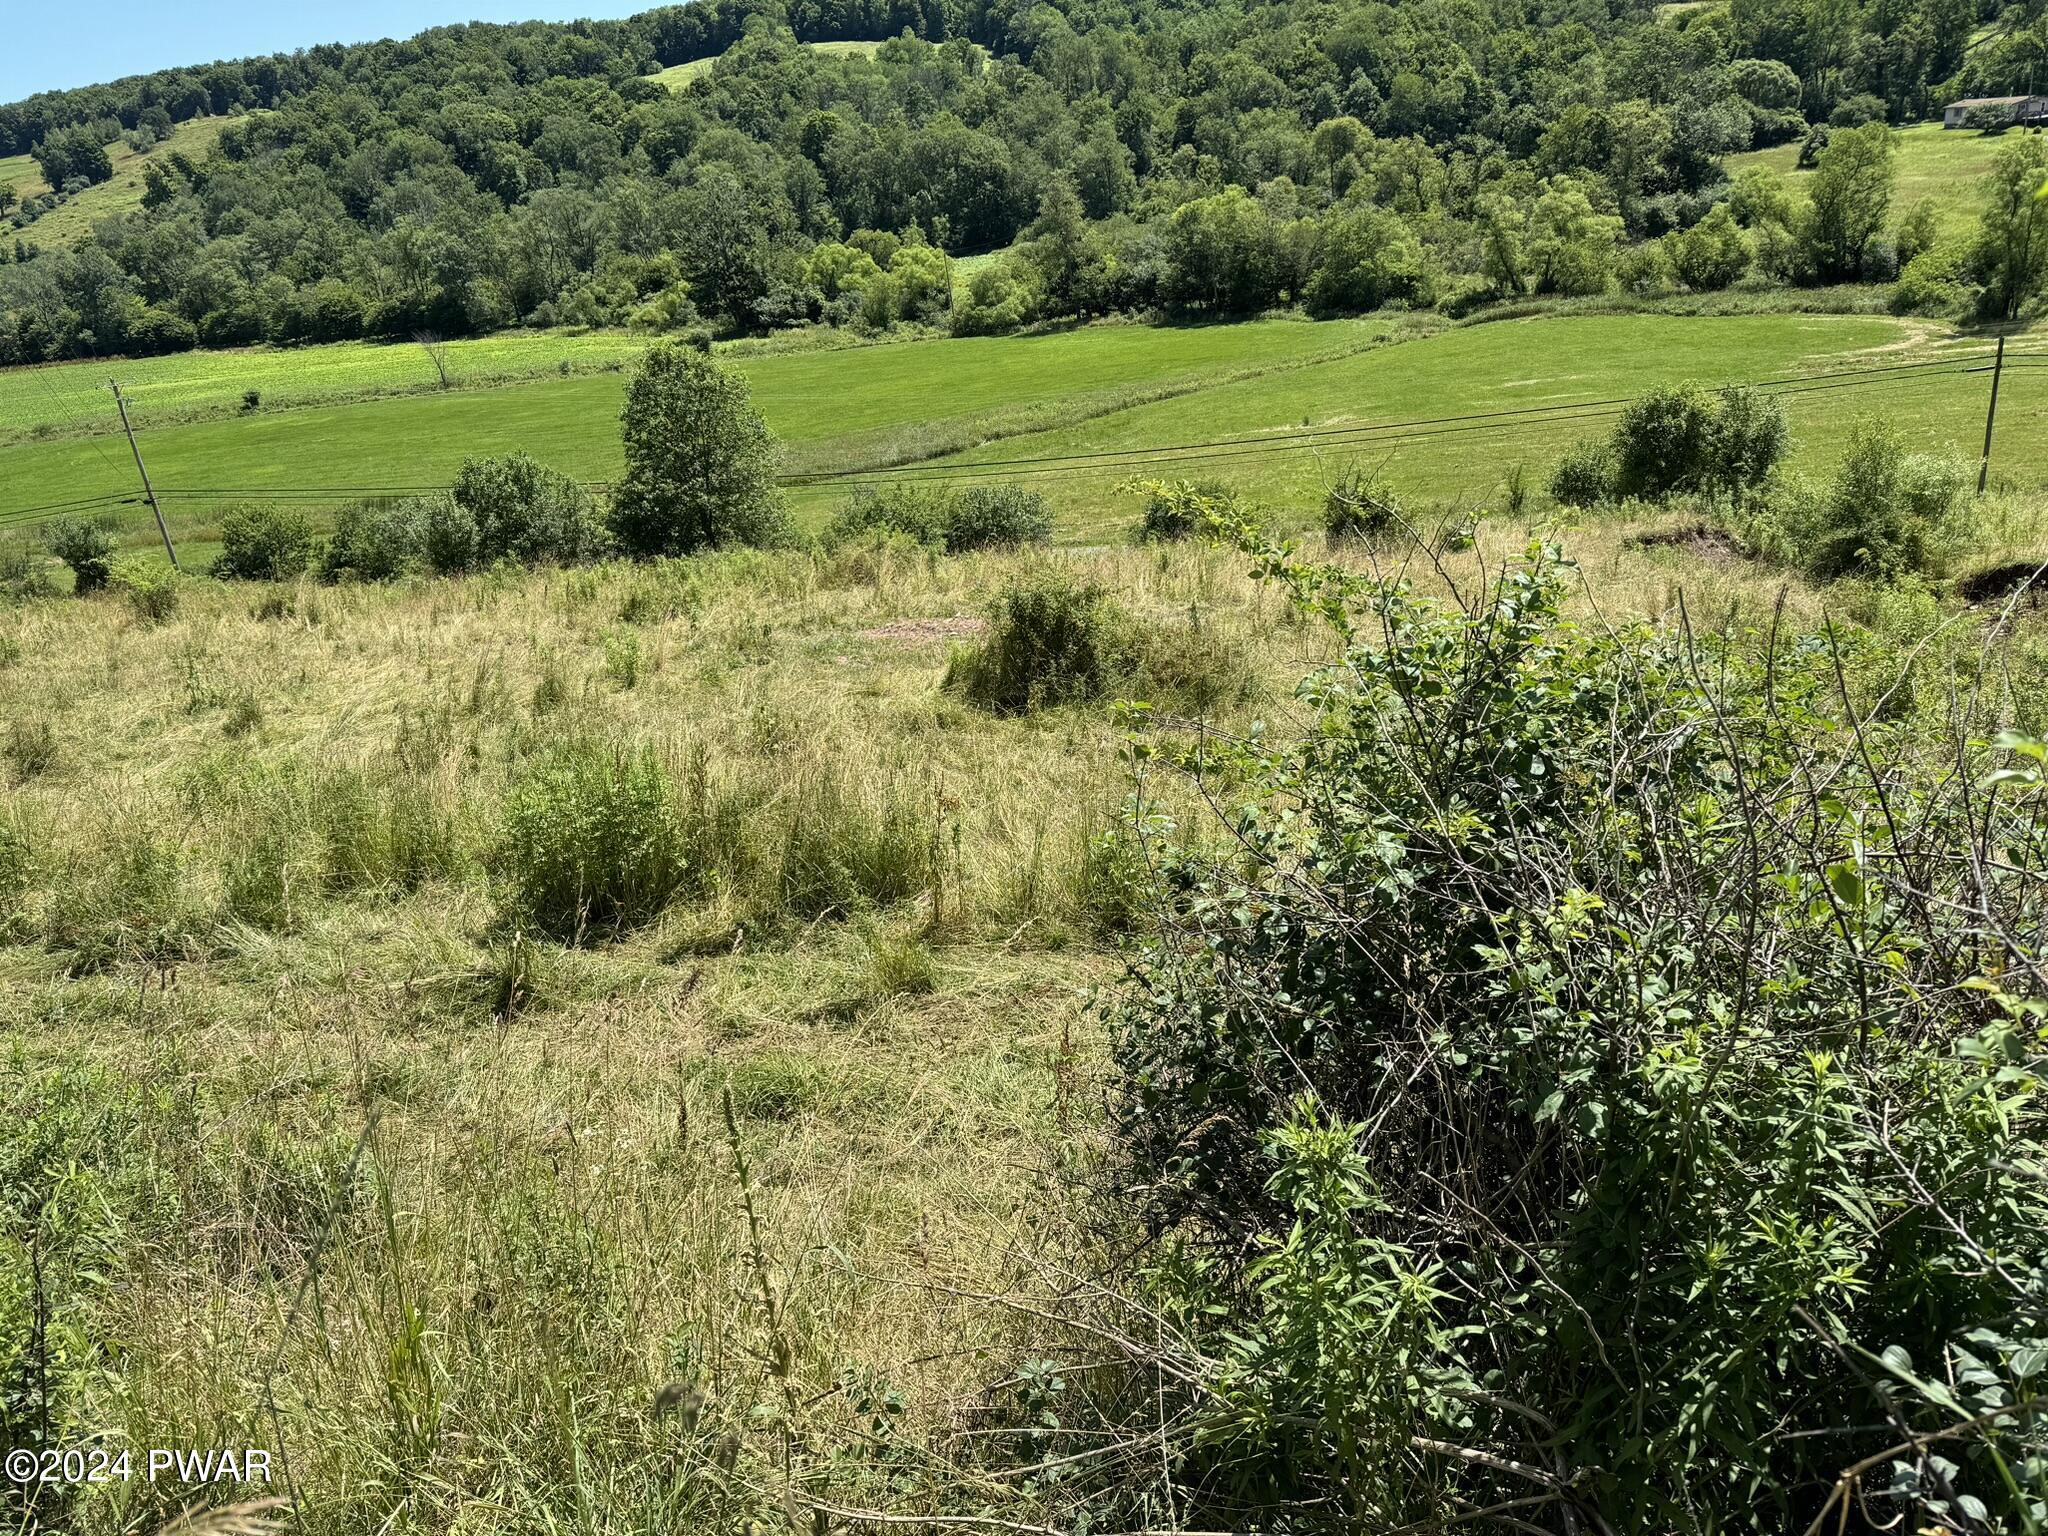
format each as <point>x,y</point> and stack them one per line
<point>1130,155</point>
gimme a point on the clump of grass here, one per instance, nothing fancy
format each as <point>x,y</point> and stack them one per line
<point>17,875</point>
<point>133,901</point>
<point>842,850</point>
<point>899,964</point>
<point>591,844</point>
<point>772,1085</point>
<point>30,749</point>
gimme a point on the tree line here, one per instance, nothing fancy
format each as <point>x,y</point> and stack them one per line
<point>1129,156</point>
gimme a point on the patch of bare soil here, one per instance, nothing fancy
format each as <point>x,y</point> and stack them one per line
<point>2001,581</point>
<point>925,631</point>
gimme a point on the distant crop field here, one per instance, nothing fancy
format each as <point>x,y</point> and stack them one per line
<point>1943,165</point>
<point>71,221</point>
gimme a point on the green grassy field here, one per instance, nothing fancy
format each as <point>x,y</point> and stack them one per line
<point>1516,365</point>
<point>860,406</point>
<point>1018,402</point>
<point>66,396</point>
<point>1941,165</point>
<point>71,221</point>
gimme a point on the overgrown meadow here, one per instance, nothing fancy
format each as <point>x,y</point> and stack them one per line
<point>1528,1015</point>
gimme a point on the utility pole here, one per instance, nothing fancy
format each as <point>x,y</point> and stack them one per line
<point>171,549</point>
<point>1991,416</point>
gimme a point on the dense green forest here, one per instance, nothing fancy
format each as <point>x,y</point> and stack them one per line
<point>1152,154</point>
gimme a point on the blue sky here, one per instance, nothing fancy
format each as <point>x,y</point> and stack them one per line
<point>51,45</point>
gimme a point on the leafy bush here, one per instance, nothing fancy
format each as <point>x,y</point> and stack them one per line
<point>996,516</point>
<point>448,535</point>
<point>152,590</point>
<point>87,547</point>
<point>981,517</point>
<point>591,843</point>
<point>1887,513</point>
<point>1053,639</point>
<point>1712,254</point>
<point>1679,440</point>
<point>378,540</point>
<point>920,511</point>
<point>1360,506</point>
<point>1935,282</point>
<point>1178,509</point>
<point>1567,1051</point>
<point>700,462</point>
<point>526,512</point>
<point>263,543</point>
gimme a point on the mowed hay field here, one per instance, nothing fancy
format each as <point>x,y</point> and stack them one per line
<point>1163,401</point>
<point>439,1213</point>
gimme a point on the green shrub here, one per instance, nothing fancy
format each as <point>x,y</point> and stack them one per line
<point>1053,639</point>
<point>1935,282</point>
<point>1517,1086</point>
<point>87,547</point>
<point>152,590</point>
<point>1887,513</point>
<point>920,511</point>
<point>591,843</point>
<point>1681,440</point>
<point>995,517</point>
<point>448,536</point>
<point>982,517</point>
<point>1179,509</point>
<point>525,512</point>
<point>1360,506</point>
<point>378,540</point>
<point>1712,254</point>
<point>264,542</point>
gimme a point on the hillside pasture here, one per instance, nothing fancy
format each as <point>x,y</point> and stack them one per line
<point>677,76</point>
<point>1944,166</point>
<point>72,220</point>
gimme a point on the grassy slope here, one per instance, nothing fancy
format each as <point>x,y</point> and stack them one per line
<point>190,384</point>
<point>567,1229</point>
<point>71,221</point>
<point>894,403</point>
<point>676,76</point>
<point>1515,364</point>
<point>1939,164</point>
<point>861,394</point>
